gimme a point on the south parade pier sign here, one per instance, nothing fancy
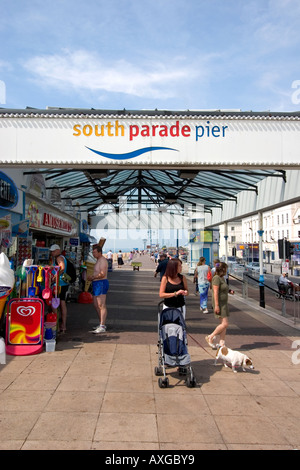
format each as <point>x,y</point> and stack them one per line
<point>70,137</point>
<point>114,129</point>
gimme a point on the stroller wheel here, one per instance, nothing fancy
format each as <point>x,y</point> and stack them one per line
<point>163,383</point>
<point>158,371</point>
<point>191,382</point>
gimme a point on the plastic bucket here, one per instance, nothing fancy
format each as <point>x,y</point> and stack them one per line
<point>85,298</point>
<point>52,326</point>
<point>50,345</point>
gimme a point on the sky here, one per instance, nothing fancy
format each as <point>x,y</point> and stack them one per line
<point>145,54</point>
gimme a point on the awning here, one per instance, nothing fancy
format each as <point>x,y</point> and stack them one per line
<point>85,238</point>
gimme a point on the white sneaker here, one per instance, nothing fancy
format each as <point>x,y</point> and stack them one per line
<point>100,329</point>
<point>205,311</point>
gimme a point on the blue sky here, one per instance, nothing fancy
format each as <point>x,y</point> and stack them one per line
<point>147,54</point>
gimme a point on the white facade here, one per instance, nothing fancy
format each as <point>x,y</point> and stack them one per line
<point>234,236</point>
<point>279,223</point>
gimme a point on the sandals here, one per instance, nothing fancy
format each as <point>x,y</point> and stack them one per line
<point>212,345</point>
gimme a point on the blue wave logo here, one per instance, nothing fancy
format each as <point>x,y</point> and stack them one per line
<point>126,156</point>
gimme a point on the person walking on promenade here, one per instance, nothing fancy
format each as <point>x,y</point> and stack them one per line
<point>60,260</point>
<point>202,272</point>
<point>100,287</point>
<point>216,263</point>
<point>220,305</point>
<point>162,265</point>
<point>120,259</point>
<point>173,286</point>
<point>109,258</point>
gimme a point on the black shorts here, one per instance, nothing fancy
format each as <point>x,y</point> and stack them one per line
<point>63,292</point>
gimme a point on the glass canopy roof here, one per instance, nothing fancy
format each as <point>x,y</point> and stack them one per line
<point>152,188</point>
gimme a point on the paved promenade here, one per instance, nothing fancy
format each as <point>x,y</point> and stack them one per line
<point>100,392</point>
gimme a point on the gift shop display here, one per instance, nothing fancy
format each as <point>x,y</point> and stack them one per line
<point>7,281</point>
<point>24,250</point>
<point>27,331</point>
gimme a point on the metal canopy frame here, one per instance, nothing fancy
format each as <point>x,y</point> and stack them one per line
<point>152,188</point>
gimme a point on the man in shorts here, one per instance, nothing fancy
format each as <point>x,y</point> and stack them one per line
<point>100,287</point>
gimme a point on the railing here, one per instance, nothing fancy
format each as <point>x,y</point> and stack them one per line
<point>294,312</point>
<point>244,285</point>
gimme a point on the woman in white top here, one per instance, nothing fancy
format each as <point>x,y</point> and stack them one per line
<point>202,271</point>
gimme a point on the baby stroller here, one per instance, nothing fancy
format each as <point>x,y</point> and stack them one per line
<point>172,346</point>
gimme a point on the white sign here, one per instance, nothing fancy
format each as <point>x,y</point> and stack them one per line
<point>182,141</point>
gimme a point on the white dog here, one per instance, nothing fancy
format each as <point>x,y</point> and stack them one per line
<point>233,358</point>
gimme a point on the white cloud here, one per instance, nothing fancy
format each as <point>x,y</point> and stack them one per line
<point>83,70</point>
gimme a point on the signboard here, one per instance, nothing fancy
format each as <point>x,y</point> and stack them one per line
<point>149,140</point>
<point>285,267</point>
<point>24,325</point>
<point>8,192</point>
<point>204,236</point>
<point>47,219</point>
<point>58,223</point>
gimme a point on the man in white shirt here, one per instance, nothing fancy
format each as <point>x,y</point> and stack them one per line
<point>109,257</point>
<point>286,283</point>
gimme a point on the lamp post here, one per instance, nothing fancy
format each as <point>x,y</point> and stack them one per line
<point>261,269</point>
<point>226,241</point>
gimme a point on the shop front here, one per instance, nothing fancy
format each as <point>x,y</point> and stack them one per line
<point>11,212</point>
<point>48,225</point>
<point>31,221</point>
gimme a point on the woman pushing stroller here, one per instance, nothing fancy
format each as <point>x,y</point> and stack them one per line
<point>172,341</point>
<point>173,286</point>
